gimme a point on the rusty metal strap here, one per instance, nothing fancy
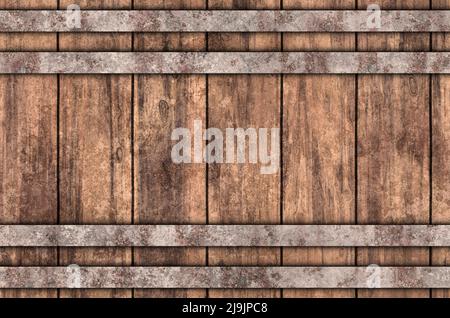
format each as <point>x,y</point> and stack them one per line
<point>225,21</point>
<point>225,277</point>
<point>225,63</point>
<point>224,235</point>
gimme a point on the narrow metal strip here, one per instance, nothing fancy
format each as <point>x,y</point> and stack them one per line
<point>225,277</point>
<point>224,235</point>
<point>225,21</point>
<point>225,63</point>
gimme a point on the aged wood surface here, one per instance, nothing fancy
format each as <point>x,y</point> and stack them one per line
<point>95,150</point>
<point>165,192</point>
<point>28,156</point>
<point>318,148</point>
<point>238,193</point>
<point>355,148</point>
<point>393,149</point>
<point>440,177</point>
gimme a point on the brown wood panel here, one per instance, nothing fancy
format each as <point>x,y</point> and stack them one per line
<point>318,148</point>
<point>95,165</point>
<point>393,148</point>
<point>28,165</point>
<point>238,193</point>
<point>95,149</point>
<point>28,4</point>
<point>28,156</point>
<point>318,163</point>
<point>441,148</point>
<point>100,122</point>
<point>393,165</point>
<point>166,192</point>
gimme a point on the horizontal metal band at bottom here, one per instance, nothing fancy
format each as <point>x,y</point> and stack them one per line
<point>224,235</point>
<point>225,277</point>
<point>225,63</point>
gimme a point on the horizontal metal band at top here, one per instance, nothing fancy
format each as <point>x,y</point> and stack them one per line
<point>224,277</point>
<point>224,21</point>
<point>225,63</point>
<point>224,235</point>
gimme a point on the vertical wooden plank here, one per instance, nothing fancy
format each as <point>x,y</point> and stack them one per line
<point>168,193</point>
<point>239,193</point>
<point>440,149</point>
<point>28,164</point>
<point>318,165</point>
<point>393,149</point>
<point>95,150</point>
<point>165,192</point>
<point>393,165</point>
<point>319,148</point>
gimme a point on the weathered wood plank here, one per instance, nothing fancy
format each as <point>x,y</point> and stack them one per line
<point>28,169</point>
<point>95,164</point>
<point>318,165</point>
<point>393,164</point>
<point>318,148</point>
<point>95,141</point>
<point>440,149</point>
<point>164,191</point>
<point>393,149</point>
<point>28,4</point>
<point>238,193</point>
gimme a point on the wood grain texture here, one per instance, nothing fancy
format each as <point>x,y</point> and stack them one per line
<point>393,146</point>
<point>238,193</point>
<point>95,139</point>
<point>98,122</point>
<point>319,179</point>
<point>28,157</point>
<point>393,163</point>
<point>318,147</point>
<point>166,192</point>
<point>440,149</point>
<point>28,4</point>
<point>393,149</point>
<point>318,164</point>
<point>95,165</point>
